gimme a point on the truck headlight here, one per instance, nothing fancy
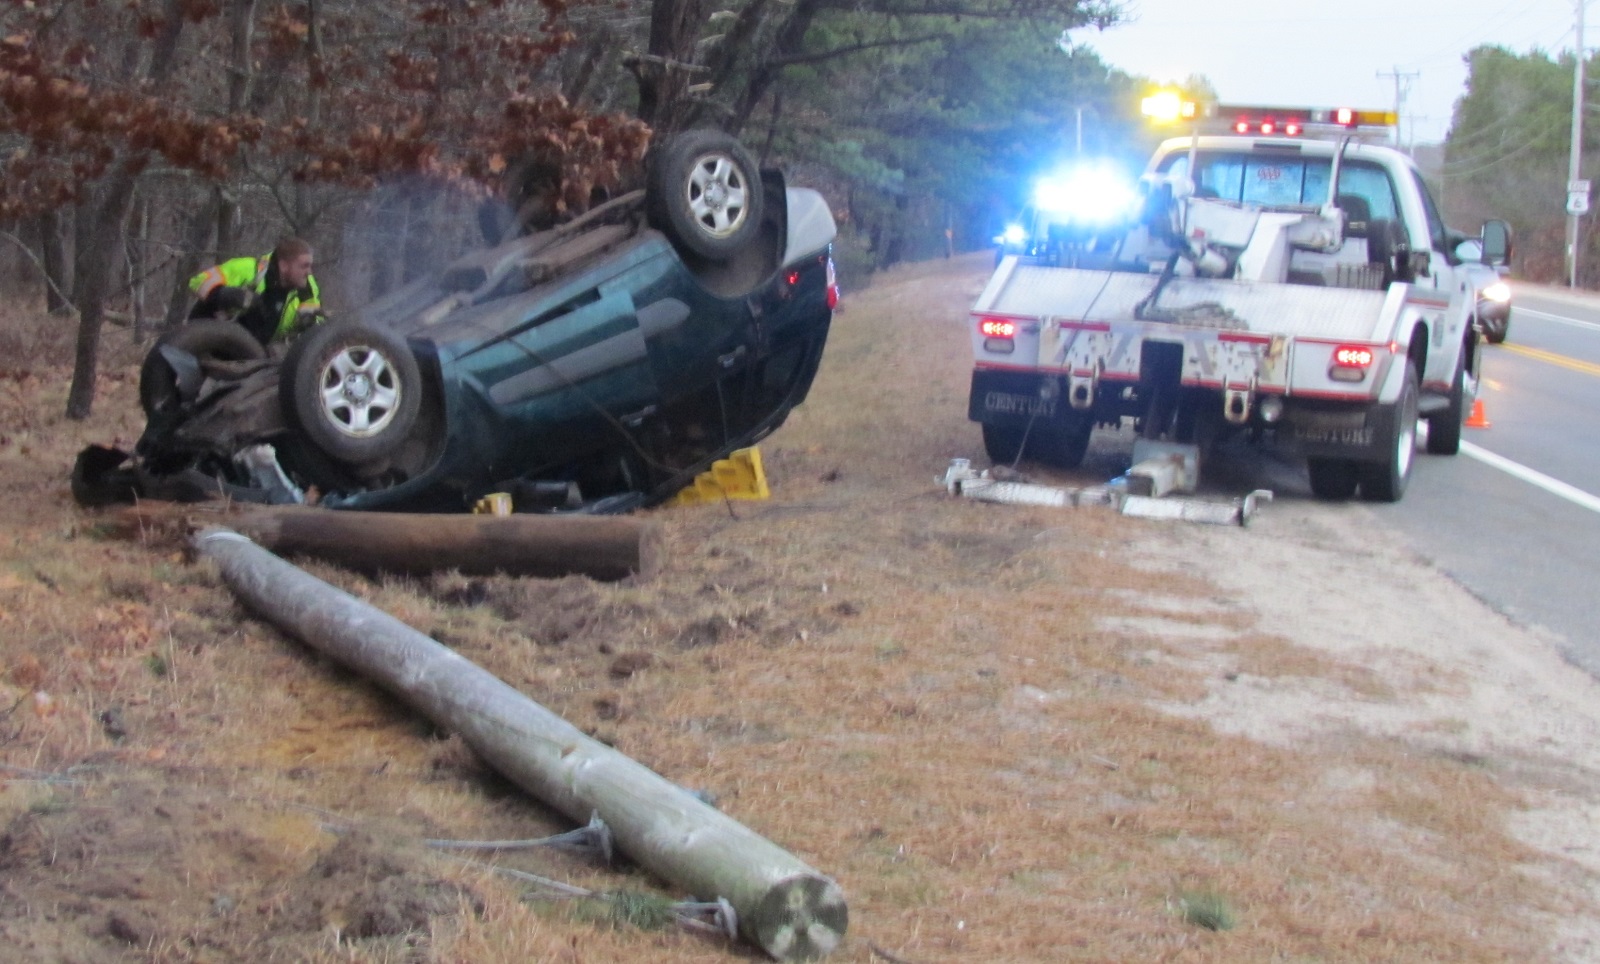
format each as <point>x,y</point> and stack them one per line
<point>1499,291</point>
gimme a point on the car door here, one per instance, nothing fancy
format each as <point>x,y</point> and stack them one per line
<point>571,378</point>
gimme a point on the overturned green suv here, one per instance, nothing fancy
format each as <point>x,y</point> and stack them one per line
<point>596,367</point>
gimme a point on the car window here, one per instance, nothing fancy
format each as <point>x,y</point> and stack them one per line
<point>1285,181</point>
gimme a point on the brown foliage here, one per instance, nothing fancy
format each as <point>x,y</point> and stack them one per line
<point>421,88</point>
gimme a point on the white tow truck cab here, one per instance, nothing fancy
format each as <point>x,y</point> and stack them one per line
<point>1289,279</point>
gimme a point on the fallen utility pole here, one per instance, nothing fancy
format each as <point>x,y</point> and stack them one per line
<point>783,906</point>
<point>600,547</point>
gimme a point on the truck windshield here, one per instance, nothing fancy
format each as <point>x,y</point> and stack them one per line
<point>1268,180</point>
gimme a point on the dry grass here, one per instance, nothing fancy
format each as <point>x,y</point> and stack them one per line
<point>918,696</point>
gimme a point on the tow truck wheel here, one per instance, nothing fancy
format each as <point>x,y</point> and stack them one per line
<point>1003,443</point>
<point>1063,446</point>
<point>1385,481</point>
<point>1444,427</point>
<point>1333,479</point>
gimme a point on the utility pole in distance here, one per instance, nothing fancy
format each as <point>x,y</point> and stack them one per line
<point>1577,189</point>
<point>1402,86</point>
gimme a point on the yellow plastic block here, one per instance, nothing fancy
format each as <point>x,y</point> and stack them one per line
<point>739,476</point>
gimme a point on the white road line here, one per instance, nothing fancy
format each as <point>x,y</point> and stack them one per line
<point>1563,319</point>
<point>1571,493</point>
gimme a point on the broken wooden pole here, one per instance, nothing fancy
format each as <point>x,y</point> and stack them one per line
<point>784,906</point>
<point>549,546</point>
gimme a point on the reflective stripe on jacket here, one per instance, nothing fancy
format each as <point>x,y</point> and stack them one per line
<point>252,273</point>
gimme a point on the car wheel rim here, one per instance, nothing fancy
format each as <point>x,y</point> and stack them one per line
<point>718,195</point>
<point>360,393</point>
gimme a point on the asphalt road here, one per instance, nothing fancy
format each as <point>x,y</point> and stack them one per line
<point>1515,518</point>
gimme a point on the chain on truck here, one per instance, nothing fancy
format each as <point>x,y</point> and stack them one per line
<point>1285,276</point>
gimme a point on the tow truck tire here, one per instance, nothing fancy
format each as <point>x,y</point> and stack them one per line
<point>1051,443</point>
<point>704,190</point>
<point>1444,427</point>
<point>353,390</point>
<point>1386,481</point>
<point>1063,446</point>
<point>1003,443</point>
<point>1334,479</point>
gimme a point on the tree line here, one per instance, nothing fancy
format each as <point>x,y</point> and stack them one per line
<point>1507,155</point>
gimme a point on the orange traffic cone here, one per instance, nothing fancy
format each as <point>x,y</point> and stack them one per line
<point>1477,419</point>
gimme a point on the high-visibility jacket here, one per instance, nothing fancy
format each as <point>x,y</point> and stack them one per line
<point>251,273</point>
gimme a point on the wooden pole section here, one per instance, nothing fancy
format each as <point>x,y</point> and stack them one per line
<point>600,547</point>
<point>784,906</point>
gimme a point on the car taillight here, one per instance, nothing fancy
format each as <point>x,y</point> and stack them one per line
<point>1350,362</point>
<point>833,286</point>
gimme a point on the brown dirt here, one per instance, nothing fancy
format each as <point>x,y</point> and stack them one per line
<point>1012,734</point>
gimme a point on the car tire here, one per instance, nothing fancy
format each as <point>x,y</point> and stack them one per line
<point>1444,427</point>
<point>353,390</point>
<point>705,193</point>
<point>1495,330</point>
<point>1386,481</point>
<point>207,341</point>
<point>1333,479</point>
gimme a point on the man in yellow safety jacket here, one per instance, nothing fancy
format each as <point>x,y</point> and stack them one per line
<point>273,296</point>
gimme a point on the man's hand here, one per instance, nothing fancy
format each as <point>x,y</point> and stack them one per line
<point>306,318</point>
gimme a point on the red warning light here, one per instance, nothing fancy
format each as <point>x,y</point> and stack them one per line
<point>1241,127</point>
<point>1292,129</point>
<point>1345,116</point>
<point>1267,127</point>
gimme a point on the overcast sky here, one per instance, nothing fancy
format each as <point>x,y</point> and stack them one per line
<point>1334,54</point>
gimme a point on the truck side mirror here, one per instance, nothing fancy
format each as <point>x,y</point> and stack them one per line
<point>1496,242</point>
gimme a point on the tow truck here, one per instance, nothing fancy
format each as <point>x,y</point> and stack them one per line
<point>1285,275</point>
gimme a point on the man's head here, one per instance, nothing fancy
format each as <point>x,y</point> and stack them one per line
<point>294,262</point>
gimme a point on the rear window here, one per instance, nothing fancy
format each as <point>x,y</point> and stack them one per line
<point>1284,180</point>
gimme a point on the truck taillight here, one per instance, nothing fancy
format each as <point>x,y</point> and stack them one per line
<point>1350,362</point>
<point>998,335</point>
<point>833,286</point>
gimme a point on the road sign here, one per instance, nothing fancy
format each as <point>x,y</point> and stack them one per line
<point>1577,197</point>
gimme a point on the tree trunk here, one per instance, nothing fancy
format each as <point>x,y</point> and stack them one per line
<point>138,264</point>
<point>547,546</point>
<point>784,906</point>
<point>97,244</point>
<point>664,75</point>
<point>97,266</point>
<point>57,269</point>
